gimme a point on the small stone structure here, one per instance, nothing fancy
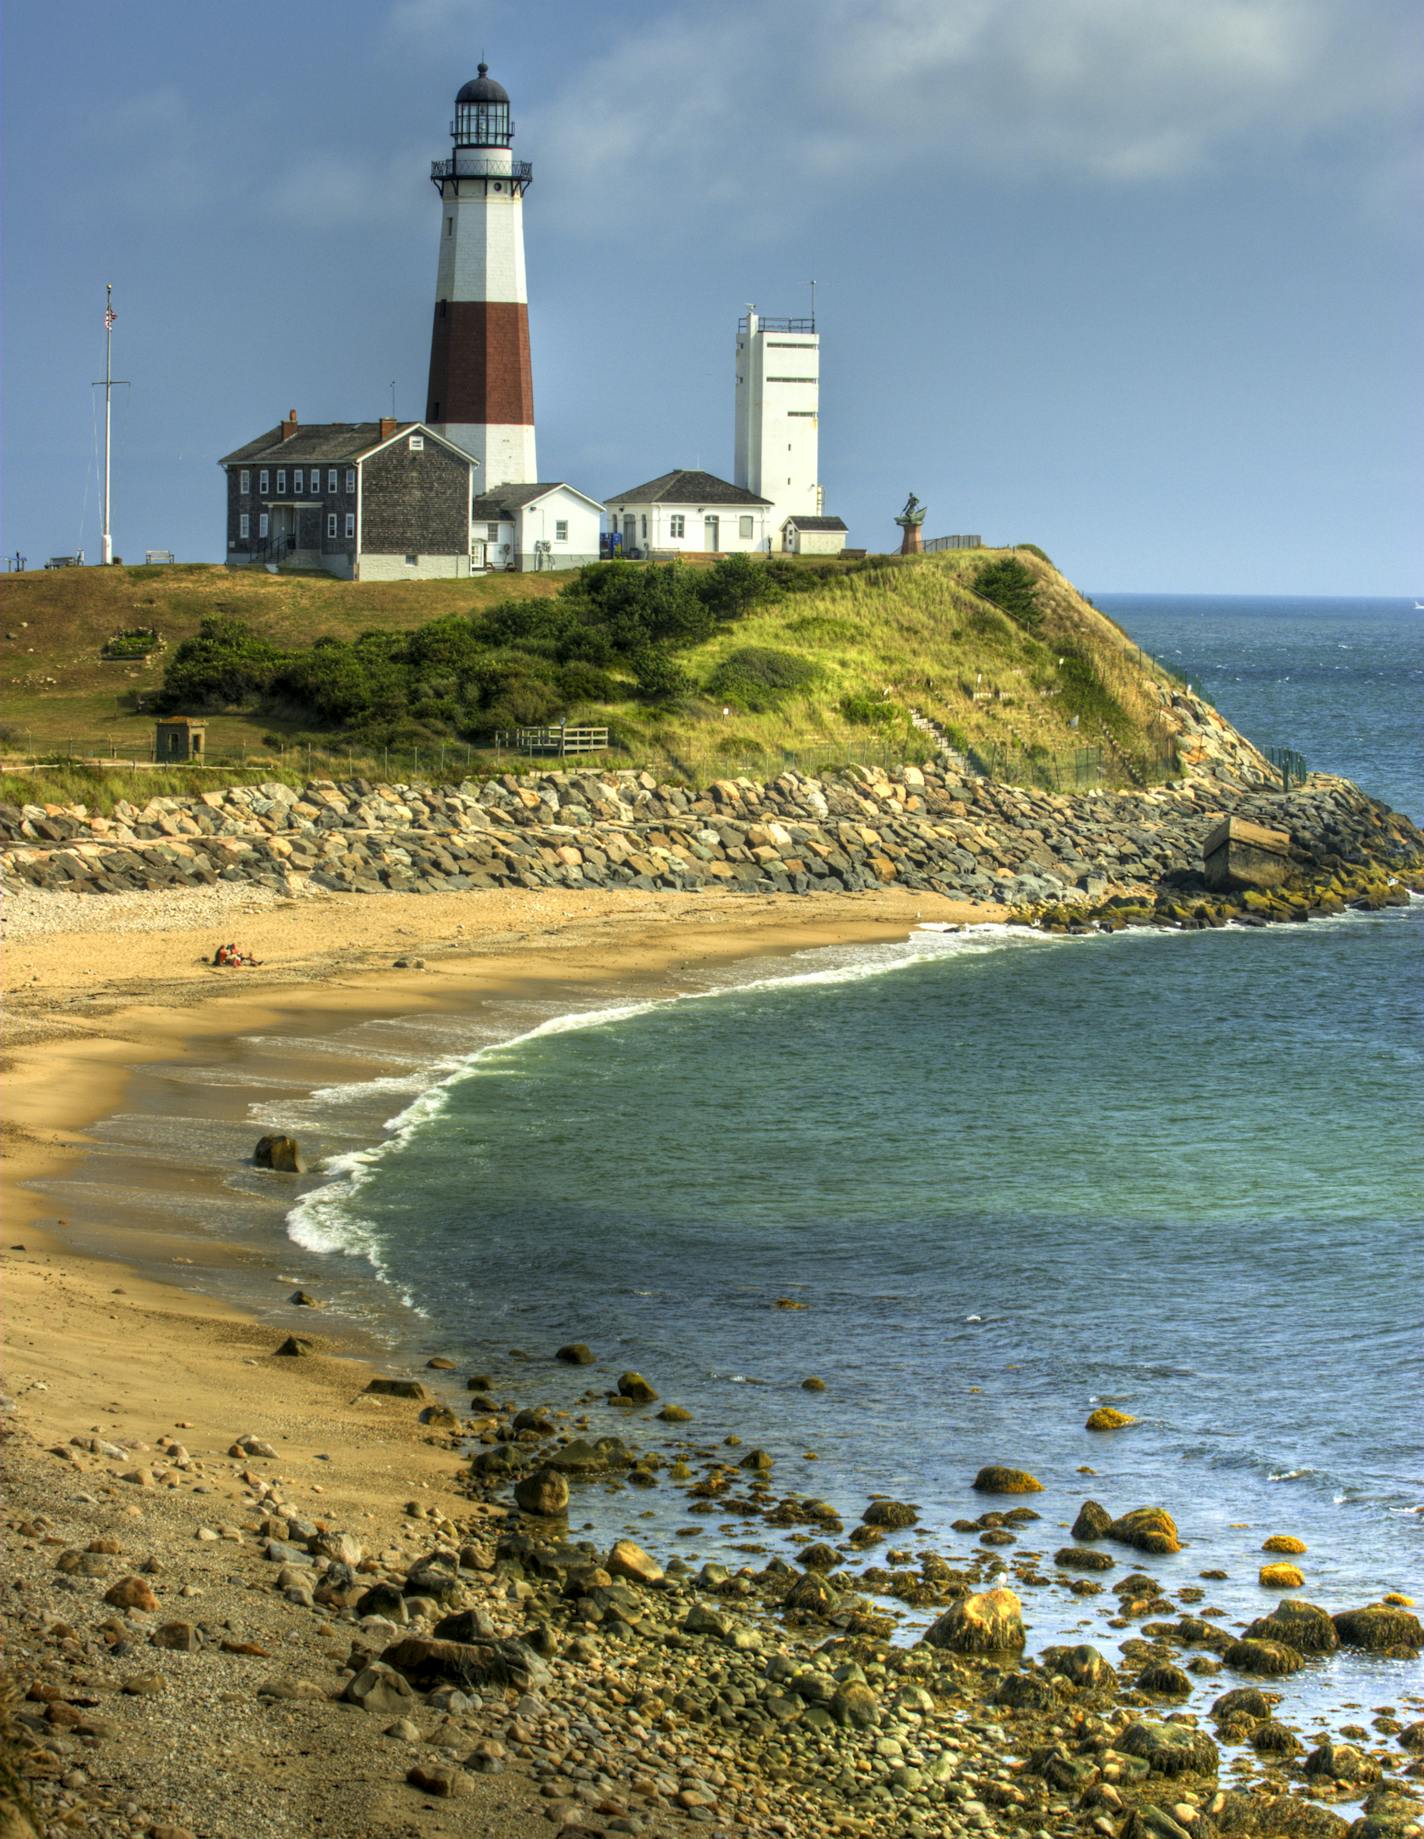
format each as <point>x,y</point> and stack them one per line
<point>911,521</point>
<point>179,737</point>
<point>1240,854</point>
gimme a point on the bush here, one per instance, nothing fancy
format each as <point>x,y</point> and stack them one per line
<point>757,677</point>
<point>1011,587</point>
<point>1034,550</point>
<point>869,711</point>
<point>736,584</point>
<point>223,665</point>
<point>133,642</point>
<point>659,676</point>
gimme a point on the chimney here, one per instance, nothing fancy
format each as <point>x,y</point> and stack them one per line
<point>289,426</point>
<point>388,426</point>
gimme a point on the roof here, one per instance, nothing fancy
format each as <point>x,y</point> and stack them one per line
<point>320,440</point>
<point>686,486</point>
<point>483,88</point>
<point>817,523</point>
<point>512,497</point>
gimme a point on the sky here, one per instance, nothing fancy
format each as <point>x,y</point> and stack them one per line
<point>1136,280</point>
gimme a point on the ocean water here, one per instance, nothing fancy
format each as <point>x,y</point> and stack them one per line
<point>1006,1178</point>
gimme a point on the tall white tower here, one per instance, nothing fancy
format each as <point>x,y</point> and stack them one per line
<point>481,392</point>
<point>777,438</point>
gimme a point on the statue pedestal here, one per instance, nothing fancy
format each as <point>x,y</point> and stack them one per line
<point>912,541</point>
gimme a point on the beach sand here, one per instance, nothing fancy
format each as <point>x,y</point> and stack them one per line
<point>93,1348</point>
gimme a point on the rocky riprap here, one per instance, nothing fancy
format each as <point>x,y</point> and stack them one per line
<point>1109,858</point>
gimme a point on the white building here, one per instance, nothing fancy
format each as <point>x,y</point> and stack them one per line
<point>778,414</point>
<point>813,536</point>
<point>535,527</point>
<point>686,512</point>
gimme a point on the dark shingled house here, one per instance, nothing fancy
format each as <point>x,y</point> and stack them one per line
<point>368,500</point>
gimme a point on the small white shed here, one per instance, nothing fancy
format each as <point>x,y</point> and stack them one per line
<point>532,528</point>
<point>813,536</point>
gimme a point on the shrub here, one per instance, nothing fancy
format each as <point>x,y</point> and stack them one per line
<point>869,711</point>
<point>659,676</point>
<point>224,664</point>
<point>758,677</point>
<point>736,584</point>
<point>1034,550</point>
<point>1011,587</point>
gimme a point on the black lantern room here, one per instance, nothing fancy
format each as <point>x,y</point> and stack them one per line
<point>482,113</point>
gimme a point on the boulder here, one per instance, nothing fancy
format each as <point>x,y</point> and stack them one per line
<point>439,1781</point>
<point>580,1457</point>
<point>1273,1738</point>
<point>1268,1659</point>
<point>1239,854</point>
<point>379,1689</point>
<point>1106,1417</point>
<point>1304,1626</point>
<point>544,1494</point>
<point>1281,1577</point>
<point>574,1353</point>
<point>998,1480</point>
<point>894,1514</point>
<point>294,1347</point>
<point>439,1417</point>
<point>635,1388</point>
<point>1169,1749</point>
<point>1092,1522</point>
<point>427,1662</point>
<point>280,1153</point>
<point>398,1388</point>
<point>1284,1542</point>
<point>1083,1558</point>
<point>1342,1762</point>
<point>1147,1529</point>
<point>131,1593</point>
<point>811,1594</point>
<point>988,1624</point>
<point>1164,1681</point>
<point>630,1561</point>
<point>1380,1629</point>
<point>1244,1702</point>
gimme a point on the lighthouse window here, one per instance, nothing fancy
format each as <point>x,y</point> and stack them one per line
<point>244,482</point>
<point>677,524</point>
<point>449,230</point>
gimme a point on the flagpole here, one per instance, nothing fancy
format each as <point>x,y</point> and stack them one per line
<point>108,540</point>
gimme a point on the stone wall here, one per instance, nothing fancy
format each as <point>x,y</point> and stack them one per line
<point>916,827</point>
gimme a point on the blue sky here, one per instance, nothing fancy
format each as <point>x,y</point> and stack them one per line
<point>1137,280</point>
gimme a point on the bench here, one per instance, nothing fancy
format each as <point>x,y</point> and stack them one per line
<point>76,561</point>
<point>152,556</point>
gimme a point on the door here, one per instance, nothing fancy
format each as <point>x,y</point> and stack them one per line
<point>711,539</point>
<point>630,535</point>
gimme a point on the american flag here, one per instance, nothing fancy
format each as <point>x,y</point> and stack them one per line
<point>109,317</point>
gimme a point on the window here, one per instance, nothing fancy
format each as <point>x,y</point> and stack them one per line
<point>791,379</point>
<point>331,523</point>
<point>263,481</point>
<point>262,523</point>
<point>350,479</point>
<point>244,482</point>
<point>331,479</point>
<point>350,525</point>
<point>561,530</point>
<point>412,561</point>
<point>787,344</point>
<point>644,522</point>
<point>281,481</point>
<point>297,477</point>
<point>492,532</point>
<point>244,526</point>
<point>806,414</point>
<point>677,524</point>
<point>449,230</point>
<point>744,526</point>
<point>417,443</point>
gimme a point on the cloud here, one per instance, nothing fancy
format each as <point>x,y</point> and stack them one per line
<point>1106,92</point>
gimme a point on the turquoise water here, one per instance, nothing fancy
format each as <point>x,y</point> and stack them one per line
<point>1009,1178</point>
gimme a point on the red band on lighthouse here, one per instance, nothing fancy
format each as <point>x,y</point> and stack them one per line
<point>480,371</point>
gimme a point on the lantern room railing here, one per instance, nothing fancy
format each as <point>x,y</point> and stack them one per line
<point>519,173</point>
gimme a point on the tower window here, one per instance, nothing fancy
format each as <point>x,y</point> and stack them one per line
<point>449,231</point>
<point>262,524</point>
<point>244,526</point>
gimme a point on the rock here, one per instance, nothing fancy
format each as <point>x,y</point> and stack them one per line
<point>1237,1814</point>
<point>433,1577</point>
<point>1026,1692</point>
<point>854,1704</point>
<point>630,1561</point>
<point>813,1383</point>
<point>1147,1821</point>
<point>634,1387</point>
<point>1273,1738</point>
<point>1304,1626</point>
<point>131,1593</point>
<point>304,1300</point>
<point>1083,1666</point>
<point>890,1513</point>
<point>381,1689</point>
<point>987,1624</point>
<point>1270,1659</point>
<point>1342,1762</point>
<point>675,1414</point>
<point>439,1417</point>
<point>1280,1577</point>
<point>294,1347</point>
<point>1380,1630</point>
<point>1284,1542</point>
<point>1169,1749</point>
<point>544,1494</point>
<point>279,1153</point>
<point>1239,854</point>
<point>465,1625</point>
<point>574,1353</point>
<point>1107,1418</point>
<point>1092,1522</point>
<point>427,1662</point>
<point>1147,1529</point>
<point>1242,1702</point>
<point>177,1637</point>
<point>759,1461</point>
<point>1163,1680</point>
<point>382,1599</point>
<point>580,1457</point>
<point>398,1388</point>
<point>1083,1558</point>
<point>700,1620</point>
<point>436,1779</point>
<point>437,1363</point>
<point>812,1595</point>
<point>997,1480</point>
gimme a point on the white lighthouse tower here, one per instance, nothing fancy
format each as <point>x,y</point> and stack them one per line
<point>481,392</point>
<point>776,445</point>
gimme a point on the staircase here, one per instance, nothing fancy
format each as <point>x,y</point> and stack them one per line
<point>950,755</point>
<point>1125,761</point>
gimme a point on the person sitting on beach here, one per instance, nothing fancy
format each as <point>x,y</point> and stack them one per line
<point>220,955</point>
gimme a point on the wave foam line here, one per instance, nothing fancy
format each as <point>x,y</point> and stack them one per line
<point>327,1220</point>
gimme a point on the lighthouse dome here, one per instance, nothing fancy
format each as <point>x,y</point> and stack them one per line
<point>482,113</point>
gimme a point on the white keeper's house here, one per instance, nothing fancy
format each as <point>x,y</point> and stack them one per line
<point>690,513</point>
<point>537,527</point>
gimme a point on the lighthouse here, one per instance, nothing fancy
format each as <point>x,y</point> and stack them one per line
<point>481,393</point>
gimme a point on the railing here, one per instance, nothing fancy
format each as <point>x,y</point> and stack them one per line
<point>558,741</point>
<point>776,325</point>
<point>1289,764</point>
<point>519,172</point>
<point>937,543</point>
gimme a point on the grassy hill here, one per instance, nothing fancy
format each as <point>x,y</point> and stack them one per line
<point>830,670</point>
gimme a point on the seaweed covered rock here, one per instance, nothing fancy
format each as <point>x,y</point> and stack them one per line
<point>1092,1522</point>
<point>1108,1417</point>
<point>1380,1629</point>
<point>544,1494</point>
<point>1342,1762</point>
<point>1146,1529</point>
<point>987,1624</point>
<point>1083,1558</point>
<point>1281,1577</point>
<point>890,1513</point>
<point>1245,1702</point>
<point>1025,1692</point>
<point>580,1457</point>
<point>1148,1821</point>
<point>995,1479</point>
<point>1170,1749</point>
<point>1164,1681</point>
<point>1306,1627</point>
<point>1286,1543</point>
<point>1274,1738</point>
<point>1269,1659</point>
<point>635,1389</point>
<point>1238,1814</point>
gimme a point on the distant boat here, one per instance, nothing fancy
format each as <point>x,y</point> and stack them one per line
<point>1419,606</point>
